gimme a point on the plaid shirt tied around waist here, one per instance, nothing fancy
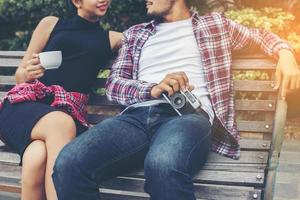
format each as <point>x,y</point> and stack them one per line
<point>217,37</point>
<point>73,103</point>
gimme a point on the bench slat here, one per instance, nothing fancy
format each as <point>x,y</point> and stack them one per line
<point>9,62</point>
<point>12,175</point>
<point>135,190</point>
<point>12,54</point>
<point>203,191</point>
<point>253,64</point>
<point>7,80</point>
<point>2,94</point>
<point>218,177</point>
<point>255,105</point>
<point>254,86</point>
<point>255,126</point>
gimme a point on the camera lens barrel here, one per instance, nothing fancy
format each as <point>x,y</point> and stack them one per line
<point>178,100</point>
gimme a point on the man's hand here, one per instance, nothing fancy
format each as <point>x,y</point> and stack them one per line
<point>171,83</point>
<point>287,73</point>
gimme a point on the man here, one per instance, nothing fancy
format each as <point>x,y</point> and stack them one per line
<point>179,50</point>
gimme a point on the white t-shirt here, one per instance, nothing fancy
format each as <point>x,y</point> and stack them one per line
<point>174,48</point>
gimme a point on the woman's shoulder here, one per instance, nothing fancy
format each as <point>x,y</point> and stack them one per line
<point>48,21</point>
<point>47,24</point>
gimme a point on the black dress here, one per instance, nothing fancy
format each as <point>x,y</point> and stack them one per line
<point>85,49</point>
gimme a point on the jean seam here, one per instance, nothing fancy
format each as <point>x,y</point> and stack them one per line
<point>120,158</point>
<point>194,147</point>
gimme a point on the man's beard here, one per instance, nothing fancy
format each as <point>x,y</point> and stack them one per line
<point>159,17</point>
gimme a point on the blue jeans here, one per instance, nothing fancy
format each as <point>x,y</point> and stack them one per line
<point>171,149</point>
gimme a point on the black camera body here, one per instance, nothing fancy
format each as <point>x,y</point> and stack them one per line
<point>183,102</point>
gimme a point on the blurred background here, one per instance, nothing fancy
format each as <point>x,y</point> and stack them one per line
<point>19,17</point>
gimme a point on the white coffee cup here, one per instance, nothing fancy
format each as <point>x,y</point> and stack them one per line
<point>50,59</point>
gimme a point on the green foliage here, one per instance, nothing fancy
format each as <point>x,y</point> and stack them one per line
<point>18,18</point>
<point>272,19</point>
<point>250,75</point>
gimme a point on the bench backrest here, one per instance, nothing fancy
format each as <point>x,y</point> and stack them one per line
<point>255,97</point>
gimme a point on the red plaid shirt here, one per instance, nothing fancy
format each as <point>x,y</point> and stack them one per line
<point>73,103</point>
<point>216,37</point>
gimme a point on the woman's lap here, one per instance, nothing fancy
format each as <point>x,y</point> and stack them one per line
<point>18,120</point>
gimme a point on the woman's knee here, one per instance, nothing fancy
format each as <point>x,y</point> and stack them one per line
<point>35,155</point>
<point>55,124</point>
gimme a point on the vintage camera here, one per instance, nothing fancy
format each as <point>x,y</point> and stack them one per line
<point>183,102</point>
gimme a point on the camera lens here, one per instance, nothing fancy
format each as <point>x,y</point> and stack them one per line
<point>178,100</point>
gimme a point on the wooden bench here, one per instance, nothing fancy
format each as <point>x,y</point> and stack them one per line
<point>250,177</point>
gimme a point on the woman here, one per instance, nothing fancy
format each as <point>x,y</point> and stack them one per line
<point>46,109</point>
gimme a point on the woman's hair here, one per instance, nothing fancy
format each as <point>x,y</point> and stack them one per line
<point>71,8</point>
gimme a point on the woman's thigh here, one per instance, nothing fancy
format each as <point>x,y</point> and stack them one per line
<point>17,122</point>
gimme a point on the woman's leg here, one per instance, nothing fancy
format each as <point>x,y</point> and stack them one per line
<point>33,171</point>
<point>56,129</point>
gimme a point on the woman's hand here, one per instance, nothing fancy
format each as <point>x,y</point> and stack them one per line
<point>32,69</point>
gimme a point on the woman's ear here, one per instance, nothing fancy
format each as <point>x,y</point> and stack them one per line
<point>77,3</point>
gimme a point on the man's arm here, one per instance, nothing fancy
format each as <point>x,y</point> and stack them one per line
<point>120,86</point>
<point>287,71</point>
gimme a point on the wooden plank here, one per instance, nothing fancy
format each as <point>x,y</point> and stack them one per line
<point>7,80</point>
<point>248,144</point>
<point>202,191</point>
<point>108,194</point>
<point>10,196</point>
<point>255,105</point>
<point>253,64</point>
<point>258,168</point>
<point>10,184</point>
<point>99,100</point>
<point>254,86</point>
<point>103,110</point>
<point>11,172</point>
<point>255,126</point>
<point>12,54</point>
<point>255,179</point>
<point>2,94</point>
<point>134,190</point>
<point>247,157</point>
<point>252,54</point>
<point>10,62</point>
